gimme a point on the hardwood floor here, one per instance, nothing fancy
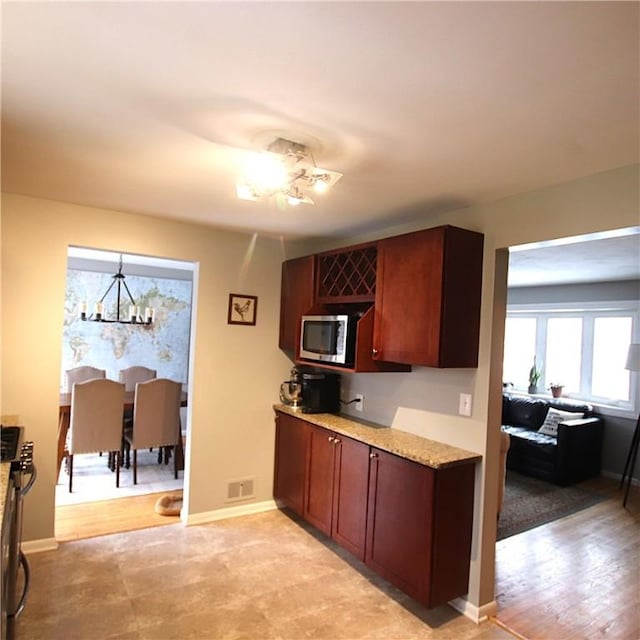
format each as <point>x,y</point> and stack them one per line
<point>92,519</point>
<point>578,577</point>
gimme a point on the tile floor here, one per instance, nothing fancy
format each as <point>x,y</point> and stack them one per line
<point>253,577</point>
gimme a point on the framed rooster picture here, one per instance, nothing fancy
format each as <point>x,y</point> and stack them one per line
<point>242,309</point>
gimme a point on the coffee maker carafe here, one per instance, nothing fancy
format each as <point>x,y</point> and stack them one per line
<point>291,390</point>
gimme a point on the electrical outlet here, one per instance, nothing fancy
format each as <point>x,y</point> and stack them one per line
<point>464,408</point>
<point>360,404</point>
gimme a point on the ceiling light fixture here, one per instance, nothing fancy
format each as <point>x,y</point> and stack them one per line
<point>286,169</point>
<point>134,317</point>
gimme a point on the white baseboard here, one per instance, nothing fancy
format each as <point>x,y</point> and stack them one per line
<point>618,476</point>
<point>477,614</point>
<point>35,546</point>
<point>229,512</point>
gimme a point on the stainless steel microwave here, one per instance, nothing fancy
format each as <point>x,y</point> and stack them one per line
<point>330,338</point>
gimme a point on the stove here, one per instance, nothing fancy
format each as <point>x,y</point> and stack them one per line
<point>19,455</point>
<point>10,443</point>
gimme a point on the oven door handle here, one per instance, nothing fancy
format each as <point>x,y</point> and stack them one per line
<point>25,589</point>
<point>32,479</point>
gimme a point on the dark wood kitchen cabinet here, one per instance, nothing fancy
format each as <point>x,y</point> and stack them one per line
<point>296,298</point>
<point>419,295</point>
<point>292,435</point>
<point>336,488</point>
<point>409,522</point>
<point>419,526</point>
<point>428,298</point>
<point>347,275</point>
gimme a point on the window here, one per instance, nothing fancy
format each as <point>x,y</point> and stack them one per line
<point>582,348</point>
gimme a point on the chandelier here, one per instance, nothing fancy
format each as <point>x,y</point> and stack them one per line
<point>287,170</point>
<point>133,317</point>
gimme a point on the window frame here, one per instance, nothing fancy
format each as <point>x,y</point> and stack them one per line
<point>587,311</point>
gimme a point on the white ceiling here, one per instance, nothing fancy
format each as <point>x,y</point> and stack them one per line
<point>151,107</point>
<point>603,257</point>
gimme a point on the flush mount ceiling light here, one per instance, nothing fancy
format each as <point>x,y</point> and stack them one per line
<point>288,170</point>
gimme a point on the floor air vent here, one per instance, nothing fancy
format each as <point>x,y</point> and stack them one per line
<point>240,489</point>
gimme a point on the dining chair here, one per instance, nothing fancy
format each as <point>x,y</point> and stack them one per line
<point>96,421</point>
<point>156,419</point>
<point>132,375</point>
<point>81,374</point>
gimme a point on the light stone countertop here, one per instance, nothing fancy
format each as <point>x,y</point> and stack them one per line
<point>5,469</point>
<point>430,453</point>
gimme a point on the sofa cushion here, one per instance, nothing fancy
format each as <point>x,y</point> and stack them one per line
<point>566,404</point>
<point>536,437</point>
<point>521,411</point>
<point>554,418</point>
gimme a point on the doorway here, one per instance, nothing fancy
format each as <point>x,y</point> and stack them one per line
<point>164,285</point>
<point>539,567</point>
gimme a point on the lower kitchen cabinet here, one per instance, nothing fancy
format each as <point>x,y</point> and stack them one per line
<point>290,463</point>
<point>419,526</point>
<point>409,522</point>
<point>337,485</point>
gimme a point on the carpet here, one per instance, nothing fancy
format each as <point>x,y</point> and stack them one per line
<point>92,479</point>
<point>529,503</point>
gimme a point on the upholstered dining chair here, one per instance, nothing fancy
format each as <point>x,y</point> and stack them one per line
<point>132,375</point>
<point>96,421</point>
<point>156,419</point>
<point>80,374</point>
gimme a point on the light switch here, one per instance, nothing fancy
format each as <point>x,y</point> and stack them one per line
<point>465,404</point>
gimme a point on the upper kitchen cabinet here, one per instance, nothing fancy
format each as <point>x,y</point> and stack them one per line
<point>347,275</point>
<point>296,298</point>
<point>427,306</point>
<point>416,296</point>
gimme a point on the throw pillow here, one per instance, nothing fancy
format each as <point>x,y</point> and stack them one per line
<point>554,416</point>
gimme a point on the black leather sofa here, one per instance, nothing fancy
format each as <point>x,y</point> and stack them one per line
<point>572,456</point>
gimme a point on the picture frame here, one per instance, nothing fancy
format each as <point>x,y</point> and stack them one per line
<point>242,309</point>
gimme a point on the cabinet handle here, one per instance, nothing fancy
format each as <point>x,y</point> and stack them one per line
<point>373,455</point>
<point>331,438</point>
<point>336,440</point>
<point>374,352</point>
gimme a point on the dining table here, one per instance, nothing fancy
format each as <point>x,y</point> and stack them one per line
<point>64,420</point>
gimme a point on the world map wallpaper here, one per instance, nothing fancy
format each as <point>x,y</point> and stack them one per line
<point>163,345</point>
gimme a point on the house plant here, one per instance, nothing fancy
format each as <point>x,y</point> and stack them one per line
<point>556,389</point>
<point>534,377</point>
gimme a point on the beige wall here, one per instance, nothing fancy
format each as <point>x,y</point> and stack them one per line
<point>236,435</point>
<point>235,370</point>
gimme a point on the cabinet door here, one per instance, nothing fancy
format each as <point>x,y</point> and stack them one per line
<point>409,298</point>
<point>320,473</point>
<point>296,297</point>
<point>351,488</point>
<point>291,454</point>
<point>399,523</point>
<point>428,298</point>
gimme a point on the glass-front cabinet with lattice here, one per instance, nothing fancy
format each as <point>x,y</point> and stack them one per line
<point>347,275</point>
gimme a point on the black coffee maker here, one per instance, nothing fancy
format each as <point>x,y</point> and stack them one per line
<point>321,392</point>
